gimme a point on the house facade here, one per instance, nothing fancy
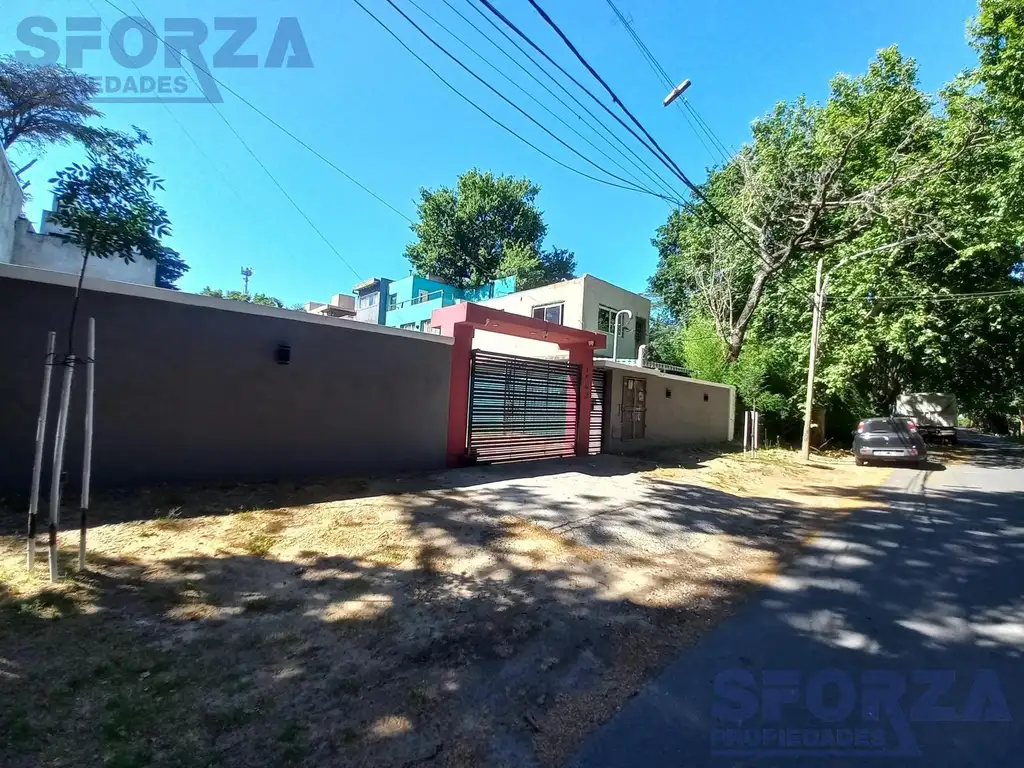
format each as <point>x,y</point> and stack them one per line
<point>409,302</point>
<point>587,303</point>
<point>340,305</point>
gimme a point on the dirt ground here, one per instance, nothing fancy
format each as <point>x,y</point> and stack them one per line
<point>487,616</point>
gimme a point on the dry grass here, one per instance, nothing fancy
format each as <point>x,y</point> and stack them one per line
<point>362,625</point>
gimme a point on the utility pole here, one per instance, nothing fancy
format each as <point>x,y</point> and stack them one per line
<point>819,303</point>
<point>246,274</point>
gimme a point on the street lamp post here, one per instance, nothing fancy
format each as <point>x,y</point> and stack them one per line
<point>615,341</point>
<point>676,92</point>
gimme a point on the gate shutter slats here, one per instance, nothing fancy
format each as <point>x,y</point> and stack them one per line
<point>522,408</point>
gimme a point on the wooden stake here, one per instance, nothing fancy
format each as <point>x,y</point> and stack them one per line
<point>37,463</point>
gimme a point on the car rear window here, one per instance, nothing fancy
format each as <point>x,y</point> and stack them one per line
<point>879,426</point>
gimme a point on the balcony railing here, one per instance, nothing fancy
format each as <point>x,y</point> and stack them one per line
<point>422,299</point>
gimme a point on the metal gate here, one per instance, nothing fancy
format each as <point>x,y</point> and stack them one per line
<point>521,408</point>
<point>598,411</point>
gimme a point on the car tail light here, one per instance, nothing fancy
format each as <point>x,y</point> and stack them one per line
<point>913,451</point>
<point>860,427</point>
<point>912,426</point>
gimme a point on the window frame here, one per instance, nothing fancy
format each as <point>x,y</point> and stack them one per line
<point>544,309</point>
<point>639,338</point>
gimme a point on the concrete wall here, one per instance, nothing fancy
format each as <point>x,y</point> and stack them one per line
<point>187,387</point>
<point>570,293</point>
<point>44,251</point>
<point>597,293</point>
<point>684,418</point>
<point>11,200</point>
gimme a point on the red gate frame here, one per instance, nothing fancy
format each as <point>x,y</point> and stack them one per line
<point>460,321</point>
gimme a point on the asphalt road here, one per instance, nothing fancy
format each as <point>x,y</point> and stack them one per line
<point>900,635</point>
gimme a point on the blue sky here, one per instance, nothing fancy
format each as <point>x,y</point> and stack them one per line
<point>377,113</point>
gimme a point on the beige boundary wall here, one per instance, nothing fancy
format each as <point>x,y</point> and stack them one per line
<point>680,410</point>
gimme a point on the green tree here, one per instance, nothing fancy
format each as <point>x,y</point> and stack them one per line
<point>170,268</point>
<point>487,227</point>
<point>814,179</point>
<point>700,349</point>
<point>106,207</point>
<point>553,266</point>
<point>42,105</point>
<point>259,298</point>
<point>997,34</point>
<point>906,197</point>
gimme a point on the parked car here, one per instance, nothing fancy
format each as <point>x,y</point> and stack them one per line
<point>889,439</point>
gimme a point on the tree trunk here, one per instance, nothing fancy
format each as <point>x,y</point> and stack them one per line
<point>739,331</point>
<point>74,305</point>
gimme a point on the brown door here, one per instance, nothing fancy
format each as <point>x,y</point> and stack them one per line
<point>634,408</point>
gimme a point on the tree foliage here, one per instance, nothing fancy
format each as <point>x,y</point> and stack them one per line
<point>42,105</point>
<point>907,197</point>
<point>170,268</point>
<point>106,206</point>
<point>487,227</point>
<point>259,298</point>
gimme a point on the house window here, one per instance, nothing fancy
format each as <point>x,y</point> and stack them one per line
<point>425,326</point>
<point>552,313</point>
<point>392,301</point>
<point>408,326</point>
<point>423,295</point>
<point>640,331</point>
<point>368,300</point>
<point>606,321</point>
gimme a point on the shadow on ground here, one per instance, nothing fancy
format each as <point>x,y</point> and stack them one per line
<point>468,642</point>
<point>930,581</point>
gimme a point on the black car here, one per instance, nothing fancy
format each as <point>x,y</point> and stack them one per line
<point>892,439</point>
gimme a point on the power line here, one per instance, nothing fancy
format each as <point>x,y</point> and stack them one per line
<point>682,102</point>
<point>487,4</point>
<point>517,107</point>
<point>662,76</point>
<point>615,99</point>
<point>638,162</point>
<point>529,95</point>
<point>660,153</point>
<point>726,152</point>
<point>484,112</point>
<point>188,134</point>
<point>938,297</point>
<point>261,113</point>
<point>261,164</point>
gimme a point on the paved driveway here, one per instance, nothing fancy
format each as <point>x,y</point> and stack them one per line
<point>900,634</point>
